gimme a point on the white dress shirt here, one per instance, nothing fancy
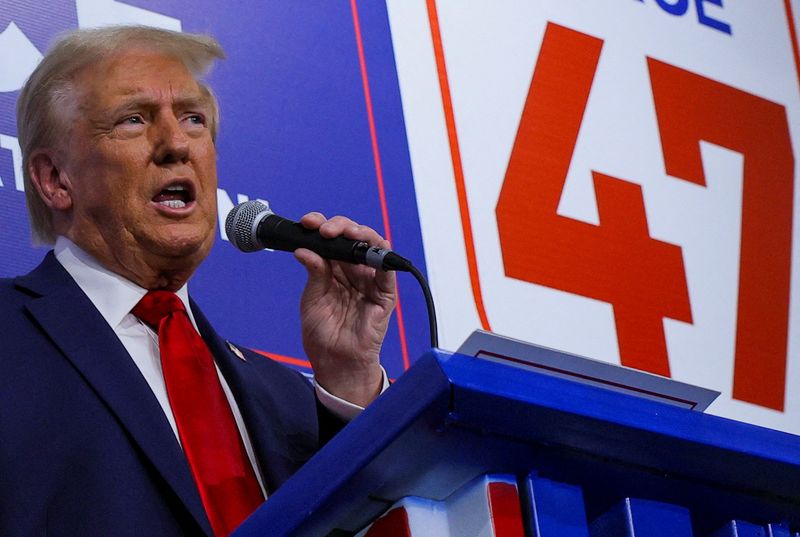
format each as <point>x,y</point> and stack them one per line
<point>115,297</point>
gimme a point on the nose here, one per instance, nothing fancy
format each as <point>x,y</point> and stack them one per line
<point>171,143</point>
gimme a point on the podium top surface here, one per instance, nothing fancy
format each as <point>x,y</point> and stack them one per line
<point>453,417</point>
<point>618,378</point>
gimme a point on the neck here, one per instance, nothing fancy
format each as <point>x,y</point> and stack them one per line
<point>148,272</point>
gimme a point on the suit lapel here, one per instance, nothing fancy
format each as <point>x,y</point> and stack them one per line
<point>253,392</point>
<point>69,318</point>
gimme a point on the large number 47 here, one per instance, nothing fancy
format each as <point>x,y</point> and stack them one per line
<point>618,261</point>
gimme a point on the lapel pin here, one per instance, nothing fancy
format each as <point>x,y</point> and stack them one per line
<point>235,350</point>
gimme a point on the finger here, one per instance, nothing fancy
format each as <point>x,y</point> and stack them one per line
<point>340,225</point>
<point>336,226</point>
<point>319,273</point>
<point>378,285</point>
<point>313,262</point>
<point>313,220</point>
<point>366,234</point>
<point>386,281</point>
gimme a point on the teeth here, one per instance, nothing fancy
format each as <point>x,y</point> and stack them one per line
<point>175,188</point>
<point>174,204</point>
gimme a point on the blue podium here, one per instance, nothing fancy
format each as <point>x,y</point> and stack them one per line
<point>588,461</point>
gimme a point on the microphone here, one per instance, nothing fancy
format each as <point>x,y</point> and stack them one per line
<point>252,226</point>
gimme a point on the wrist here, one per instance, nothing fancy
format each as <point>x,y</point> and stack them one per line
<point>356,385</point>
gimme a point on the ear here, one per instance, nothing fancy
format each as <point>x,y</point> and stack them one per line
<point>51,182</point>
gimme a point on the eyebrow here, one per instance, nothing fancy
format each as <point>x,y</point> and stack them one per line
<point>140,100</point>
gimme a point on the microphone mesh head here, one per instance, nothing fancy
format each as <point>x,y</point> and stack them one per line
<point>242,223</point>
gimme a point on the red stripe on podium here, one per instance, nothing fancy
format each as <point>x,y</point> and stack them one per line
<point>392,524</point>
<point>505,509</point>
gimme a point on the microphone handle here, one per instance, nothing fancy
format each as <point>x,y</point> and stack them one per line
<point>280,233</point>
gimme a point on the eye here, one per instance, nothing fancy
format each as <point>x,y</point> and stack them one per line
<point>132,120</point>
<point>196,119</point>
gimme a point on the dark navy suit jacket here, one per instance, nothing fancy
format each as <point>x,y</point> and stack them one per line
<point>85,448</point>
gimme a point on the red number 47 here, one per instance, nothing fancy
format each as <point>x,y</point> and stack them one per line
<point>618,261</point>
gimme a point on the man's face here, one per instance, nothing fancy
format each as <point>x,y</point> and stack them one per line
<point>141,166</point>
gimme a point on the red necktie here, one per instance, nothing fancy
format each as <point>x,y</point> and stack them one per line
<point>208,432</point>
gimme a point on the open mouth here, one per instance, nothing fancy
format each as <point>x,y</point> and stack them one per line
<point>175,196</point>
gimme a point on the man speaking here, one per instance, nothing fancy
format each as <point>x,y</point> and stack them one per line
<point>123,412</point>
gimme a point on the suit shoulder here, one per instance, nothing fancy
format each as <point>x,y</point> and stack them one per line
<point>11,295</point>
<point>6,284</point>
<point>272,363</point>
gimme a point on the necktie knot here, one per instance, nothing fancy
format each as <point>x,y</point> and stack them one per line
<point>156,305</point>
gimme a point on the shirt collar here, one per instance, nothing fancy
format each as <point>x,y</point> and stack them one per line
<point>112,295</point>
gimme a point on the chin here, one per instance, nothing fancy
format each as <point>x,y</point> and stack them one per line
<point>191,247</point>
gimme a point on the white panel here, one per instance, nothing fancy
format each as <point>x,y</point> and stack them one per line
<point>18,58</point>
<point>92,13</point>
<point>12,144</point>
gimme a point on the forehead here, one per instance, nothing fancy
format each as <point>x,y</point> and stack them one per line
<point>135,73</point>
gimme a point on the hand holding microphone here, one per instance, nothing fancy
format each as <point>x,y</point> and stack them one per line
<point>345,308</point>
<point>252,226</point>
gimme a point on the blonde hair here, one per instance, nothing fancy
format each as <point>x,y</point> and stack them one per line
<point>38,124</point>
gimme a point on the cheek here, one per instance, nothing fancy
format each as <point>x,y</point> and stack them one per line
<point>127,179</point>
<point>207,163</point>
<point>123,194</point>
<point>206,169</point>
<point>114,172</point>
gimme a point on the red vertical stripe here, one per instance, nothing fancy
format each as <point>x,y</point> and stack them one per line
<point>458,171</point>
<point>387,232</point>
<point>793,35</point>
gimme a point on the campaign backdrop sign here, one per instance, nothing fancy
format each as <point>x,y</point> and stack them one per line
<point>611,178</point>
<point>615,179</point>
